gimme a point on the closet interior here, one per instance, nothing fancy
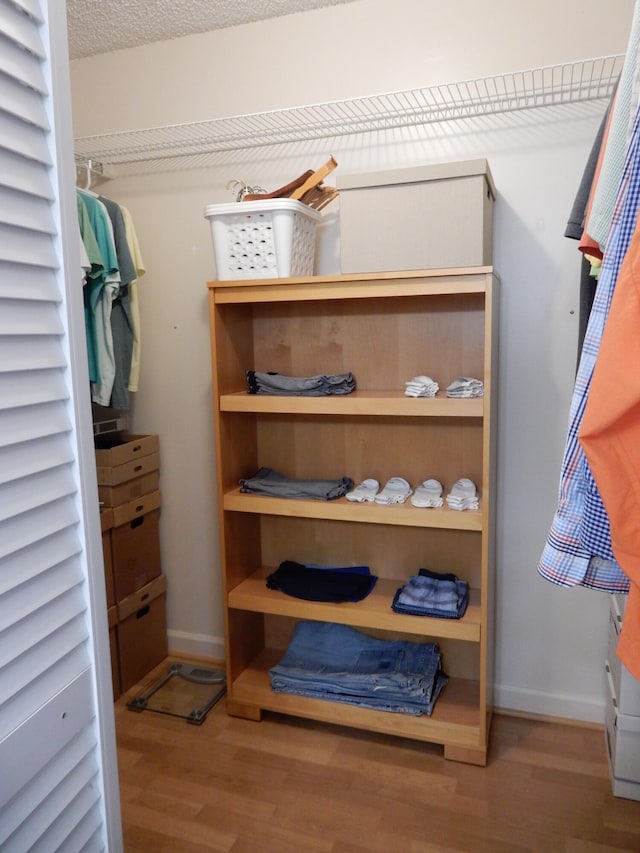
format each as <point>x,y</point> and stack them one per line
<point>244,314</point>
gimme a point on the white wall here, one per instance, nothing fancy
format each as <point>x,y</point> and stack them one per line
<point>550,642</point>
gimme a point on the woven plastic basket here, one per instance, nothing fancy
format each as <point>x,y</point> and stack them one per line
<point>275,238</point>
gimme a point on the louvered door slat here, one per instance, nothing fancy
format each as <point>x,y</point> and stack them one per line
<point>20,210</point>
<point>24,139</point>
<point>20,27</point>
<point>46,632</point>
<point>34,491</point>
<point>31,318</point>
<point>25,389</point>
<point>19,246</point>
<point>65,806</point>
<point>59,767</point>
<point>31,458</point>
<point>56,813</point>
<point>18,100</point>
<point>29,422</point>
<point>24,175</point>
<point>29,353</point>
<point>59,646</point>
<point>50,643</point>
<point>28,282</point>
<point>21,65</point>
<point>48,586</point>
<point>33,564</point>
<point>31,8</point>
<point>29,528</point>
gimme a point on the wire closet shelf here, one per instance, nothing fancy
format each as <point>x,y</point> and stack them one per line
<point>198,143</point>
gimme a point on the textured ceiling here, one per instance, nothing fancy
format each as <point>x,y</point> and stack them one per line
<point>100,27</point>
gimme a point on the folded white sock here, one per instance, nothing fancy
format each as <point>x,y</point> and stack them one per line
<point>396,491</point>
<point>463,495</point>
<point>465,386</point>
<point>421,386</point>
<point>428,494</point>
<point>364,491</point>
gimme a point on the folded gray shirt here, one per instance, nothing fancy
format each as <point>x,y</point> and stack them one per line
<point>269,482</point>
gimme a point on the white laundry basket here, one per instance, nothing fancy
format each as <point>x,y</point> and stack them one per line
<point>274,238</point>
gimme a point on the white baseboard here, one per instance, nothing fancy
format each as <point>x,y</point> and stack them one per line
<point>198,645</point>
<point>561,705</point>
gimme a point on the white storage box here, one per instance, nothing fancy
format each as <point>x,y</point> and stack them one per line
<point>427,217</point>
<point>622,734</point>
<point>275,238</point>
<point>625,686</point>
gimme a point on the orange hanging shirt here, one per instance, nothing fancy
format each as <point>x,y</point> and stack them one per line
<point>610,438</point>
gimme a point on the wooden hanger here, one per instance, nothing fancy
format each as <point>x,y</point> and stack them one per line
<point>282,192</point>
<point>315,179</point>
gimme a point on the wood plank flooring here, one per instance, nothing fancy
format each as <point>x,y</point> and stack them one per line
<point>291,786</point>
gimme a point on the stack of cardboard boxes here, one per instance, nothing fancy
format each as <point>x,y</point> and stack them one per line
<point>128,488</point>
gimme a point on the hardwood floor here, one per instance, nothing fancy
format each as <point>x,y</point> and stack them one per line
<point>291,786</point>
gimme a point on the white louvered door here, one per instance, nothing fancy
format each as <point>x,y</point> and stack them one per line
<point>58,772</point>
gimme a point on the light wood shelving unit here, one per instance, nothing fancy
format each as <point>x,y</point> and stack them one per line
<point>385,328</point>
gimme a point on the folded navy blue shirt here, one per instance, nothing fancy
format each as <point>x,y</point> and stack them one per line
<point>322,584</point>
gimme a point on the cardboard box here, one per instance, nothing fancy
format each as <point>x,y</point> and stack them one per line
<point>106,523</point>
<point>142,632</point>
<point>131,488</point>
<point>121,458</point>
<point>125,513</point>
<point>122,447</point>
<point>112,616</point>
<point>427,217</point>
<point>135,544</point>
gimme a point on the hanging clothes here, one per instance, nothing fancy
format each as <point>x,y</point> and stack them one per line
<point>117,391</point>
<point>579,550</point>
<point>591,254</point>
<point>580,528</point>
<point>578,216</point>
<point>610,437</point>
<point>112,315</point>
<point>623,114</point>
<point>134,305</point>
<point>96,300</point>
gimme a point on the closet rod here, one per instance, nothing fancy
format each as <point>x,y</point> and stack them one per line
<point>156,149</point>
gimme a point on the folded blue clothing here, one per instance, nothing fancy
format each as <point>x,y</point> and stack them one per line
<point>398,704</point>
<point>322,583</point>
<point>430,594</point>
<point>329,661</point>
<point>266,481</point>
<point>362,570</point>
<point>437,576</point>
<point>426,611</point>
